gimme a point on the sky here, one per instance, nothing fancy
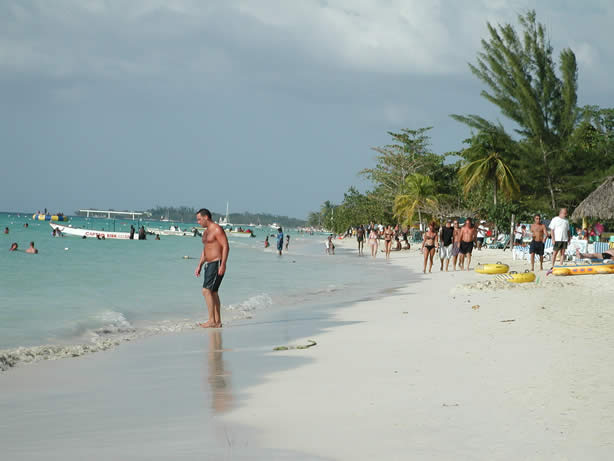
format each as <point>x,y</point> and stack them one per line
<point>272,106</point>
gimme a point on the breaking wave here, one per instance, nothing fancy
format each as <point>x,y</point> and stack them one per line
<point>109,329</point>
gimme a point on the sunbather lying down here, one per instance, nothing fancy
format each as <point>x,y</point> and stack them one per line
<point>607,254</point>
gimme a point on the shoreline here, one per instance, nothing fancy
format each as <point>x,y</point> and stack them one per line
<point>413,373</point>
<point>111,327</point>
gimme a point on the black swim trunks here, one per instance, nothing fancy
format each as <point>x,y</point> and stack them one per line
<point>212,280</point>
<point>536,248</point>
<point>559,246</point>
<point>466,247</point>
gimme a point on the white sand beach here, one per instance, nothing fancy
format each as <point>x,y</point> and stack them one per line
<point>423,374</point>
<point>448,367</point>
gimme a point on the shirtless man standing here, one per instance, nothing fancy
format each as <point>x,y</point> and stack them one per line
<point>540,234</point>
<point>467,236</point>
<point>213,257</point>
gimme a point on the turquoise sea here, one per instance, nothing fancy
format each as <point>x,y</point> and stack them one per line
<point>85,291</point>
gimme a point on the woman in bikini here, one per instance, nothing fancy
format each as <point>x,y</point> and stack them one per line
<point>456,238</point>
<point>388,234</point>
<point>429,243</point>
<point>373,242</point>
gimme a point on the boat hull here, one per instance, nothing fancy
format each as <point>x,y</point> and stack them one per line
<point>91,233</point>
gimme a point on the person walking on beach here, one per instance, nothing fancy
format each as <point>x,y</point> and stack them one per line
<point>31,249</point>
<point>266,242</point>
<point>280,240</point>
<point>142,235</point>
<point>446,237</point>
<point>132,231</point>
<point>429,243</point>
<point>388,234</point>
<point>373,242</point>
<point>330,246</point>
<point>287,241</point>
<point>360,238</point>
<point>455,244</point>
<point>559,227</point>
<point>467,237</point>
<point>539,234</point>
<point>213,257</point>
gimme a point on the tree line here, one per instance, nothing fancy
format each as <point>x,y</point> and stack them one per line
<point>187,215</point>
<point>551,153</point>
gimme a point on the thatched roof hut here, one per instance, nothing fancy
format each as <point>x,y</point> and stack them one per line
<point>599,204</point>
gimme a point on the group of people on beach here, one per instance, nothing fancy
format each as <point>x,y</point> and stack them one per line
<point>456,243</point>
<point>372,233</point>
<point>453,243</point>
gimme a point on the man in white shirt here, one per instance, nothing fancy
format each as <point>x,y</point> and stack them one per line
<point>482,230</point>
<point>559,233</point>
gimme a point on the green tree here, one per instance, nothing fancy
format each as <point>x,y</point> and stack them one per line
<point>520,73</point>
<point>408,154</point>
<point>488,165</point>
<point>418,192</point>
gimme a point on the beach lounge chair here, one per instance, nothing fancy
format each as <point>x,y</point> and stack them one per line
<point>502,241</point>
<point>548,250</point>
<point>520,252</point>
<point>416,236</point>
<point>601,247</point>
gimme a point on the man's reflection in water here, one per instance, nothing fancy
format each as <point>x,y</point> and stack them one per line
<point>218,378</point>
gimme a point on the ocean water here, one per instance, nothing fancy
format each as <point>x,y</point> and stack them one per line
<point>98,293</point>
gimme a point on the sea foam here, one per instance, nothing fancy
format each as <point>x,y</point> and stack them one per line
<point>108,329</point>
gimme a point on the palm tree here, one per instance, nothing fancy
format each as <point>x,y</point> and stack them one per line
<point>418,191</point>
<point>488,165</point>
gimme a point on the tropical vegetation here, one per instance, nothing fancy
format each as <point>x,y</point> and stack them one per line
<point>549,152</point>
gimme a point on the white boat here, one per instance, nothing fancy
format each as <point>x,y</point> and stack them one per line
<point>176,231</point>
<point>247,233</point>
<point>91,233</point>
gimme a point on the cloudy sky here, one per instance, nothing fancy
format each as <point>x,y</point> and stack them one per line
<point>270,105</point>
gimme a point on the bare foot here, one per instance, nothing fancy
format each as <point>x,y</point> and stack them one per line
<point>208,324</point>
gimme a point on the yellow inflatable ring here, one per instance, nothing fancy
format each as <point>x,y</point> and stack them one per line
<point>515,277</point>
<point>498,268</point>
